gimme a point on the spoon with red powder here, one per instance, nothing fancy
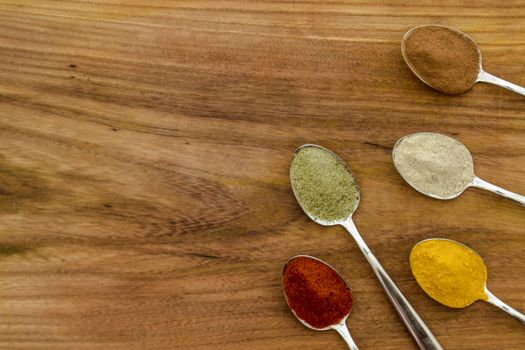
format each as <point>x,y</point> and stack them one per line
<point>318,296</point>
<point>447,60</point>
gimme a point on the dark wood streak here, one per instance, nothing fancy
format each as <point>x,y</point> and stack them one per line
<point>386,148</point>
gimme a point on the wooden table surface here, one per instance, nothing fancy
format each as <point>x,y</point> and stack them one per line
<point>145,201</point>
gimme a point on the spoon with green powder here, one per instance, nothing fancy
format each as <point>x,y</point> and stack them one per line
<point>440,167</point>
<point>328,193</point>
<point>454,275</point>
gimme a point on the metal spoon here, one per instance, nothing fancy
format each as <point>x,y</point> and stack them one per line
<point>340,327</point>
<point>483,294</point>
<point>430,179</point>
<point>415,325</point>
<point>483,76</point>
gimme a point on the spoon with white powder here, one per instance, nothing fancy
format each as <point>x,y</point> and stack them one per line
<point>440,167</point>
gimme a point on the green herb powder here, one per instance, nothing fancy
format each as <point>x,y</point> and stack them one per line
<point>323,185</point>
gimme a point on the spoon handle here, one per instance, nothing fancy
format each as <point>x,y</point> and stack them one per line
<point>480,183</point>
<point>345,334</point>
<point>503,306</point>
<point>489,78</point>
<point>415,325</point>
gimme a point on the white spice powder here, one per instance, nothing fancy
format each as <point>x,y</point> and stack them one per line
<point>434,164</point>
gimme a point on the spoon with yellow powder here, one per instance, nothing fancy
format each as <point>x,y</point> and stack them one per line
<point>454,275</point>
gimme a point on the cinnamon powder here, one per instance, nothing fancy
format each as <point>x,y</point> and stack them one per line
<point>444,58</point>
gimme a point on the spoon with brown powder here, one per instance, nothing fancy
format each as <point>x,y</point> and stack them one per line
<point>447,60</point>
<point>440,167</point>
<point>454,275</point>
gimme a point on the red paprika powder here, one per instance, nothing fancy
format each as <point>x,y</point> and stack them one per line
<point>315,292</point>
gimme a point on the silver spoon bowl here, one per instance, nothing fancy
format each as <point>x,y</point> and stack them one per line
<point>483,76</point>
<point>415,325</point>
<point>435,180</point>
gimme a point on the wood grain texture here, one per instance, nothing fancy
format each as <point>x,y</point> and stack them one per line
<point>144,148</point>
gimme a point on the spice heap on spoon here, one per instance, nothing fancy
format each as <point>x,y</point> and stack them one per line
<point>454,275</point>
<point>318,296</point>
<point>447,60</point>
<point>328,193</point>
<point>440,167</point>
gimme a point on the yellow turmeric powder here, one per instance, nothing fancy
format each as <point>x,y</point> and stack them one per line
<point>449,272</point>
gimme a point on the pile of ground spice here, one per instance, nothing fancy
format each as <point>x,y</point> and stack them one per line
<point>434,164</point>
<point>315,292</point>
<point>323,185</point>
<point>449,272</point>
<point>445,59</point>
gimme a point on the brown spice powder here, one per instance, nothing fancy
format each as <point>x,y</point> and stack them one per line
<point>444,58</point>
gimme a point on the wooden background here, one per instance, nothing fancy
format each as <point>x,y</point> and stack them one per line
<point>144,148</point>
